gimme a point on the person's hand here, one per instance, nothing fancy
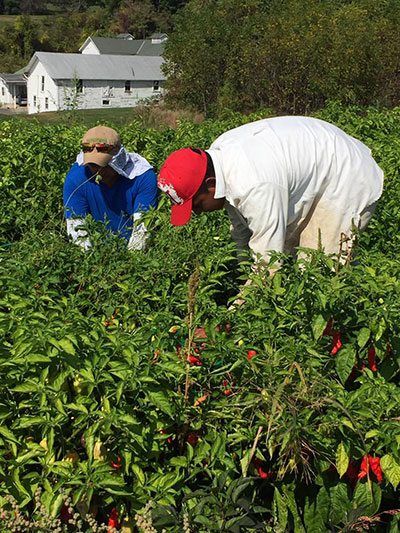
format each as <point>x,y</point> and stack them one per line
<point>239,300</point>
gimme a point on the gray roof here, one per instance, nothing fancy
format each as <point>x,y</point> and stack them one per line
<point>13,78</point>
<point>109,45</point>
<point>98,67</point>
<point>125,36</point>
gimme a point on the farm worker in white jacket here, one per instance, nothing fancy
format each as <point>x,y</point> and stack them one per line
<point>284,182</point>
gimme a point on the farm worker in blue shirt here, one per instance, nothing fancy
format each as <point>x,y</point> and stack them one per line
<point>112,185</point>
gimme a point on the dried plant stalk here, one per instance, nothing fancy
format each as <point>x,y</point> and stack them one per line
<point>193,287</point>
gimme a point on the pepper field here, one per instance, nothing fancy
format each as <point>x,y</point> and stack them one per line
<point>285,419</point>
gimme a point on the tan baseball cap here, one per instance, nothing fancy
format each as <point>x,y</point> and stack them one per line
<point>99,145</point>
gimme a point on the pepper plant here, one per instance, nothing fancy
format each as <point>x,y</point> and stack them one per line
<point>130,390</point>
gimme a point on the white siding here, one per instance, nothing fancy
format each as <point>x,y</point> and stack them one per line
<point>35,93</point>
<point>90,48</point>
<point>96,92</point>
<point>6,99</point>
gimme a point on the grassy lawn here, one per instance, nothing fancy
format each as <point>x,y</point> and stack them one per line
<point>89,117</point>
<point>37,19</point>
<point>150,116</point>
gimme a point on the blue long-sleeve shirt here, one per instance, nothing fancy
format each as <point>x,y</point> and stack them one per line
<point>114,206</point>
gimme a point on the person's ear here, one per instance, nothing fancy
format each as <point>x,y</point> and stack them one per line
<point>211,182</point>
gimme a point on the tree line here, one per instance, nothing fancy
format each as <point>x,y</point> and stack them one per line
<point>42,7</point>
<point>288,55</point>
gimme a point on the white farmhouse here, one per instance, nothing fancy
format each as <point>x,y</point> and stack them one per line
<point>59,81</point>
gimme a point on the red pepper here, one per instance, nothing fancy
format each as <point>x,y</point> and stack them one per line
<point>194,360</point>
<point>337,343</point>
<point>168,439</point>
<point>116,465</point>
<point>225,383</point>
<point>351,474</point>
<point>331,468</point>
<point>113,520</point>
<point>328,328</point>
<point>372,359</point>
<point>192,439</point>
<point>65,515</point>
<point>258,465</point>
<point>227,392</point>
<point>250,354</point>
<point>353,374</point>
<point>376,467</point>
<point>155,356</point>
<point>374,463</point>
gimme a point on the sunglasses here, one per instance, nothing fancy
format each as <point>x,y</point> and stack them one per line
<point>100,147</point>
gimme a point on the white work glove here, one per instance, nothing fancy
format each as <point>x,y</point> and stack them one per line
<point>138,238</point>
<point>79,236</point>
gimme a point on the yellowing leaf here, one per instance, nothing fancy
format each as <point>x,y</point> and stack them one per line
<point>391,469</point>
<point>346,422</point>
<point>99,451</point>
<point>138,473</point>
<point>318,326</point>
<point>342,460</point>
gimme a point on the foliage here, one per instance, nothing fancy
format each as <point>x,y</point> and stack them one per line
<point>101,404</point>
<point>64,27</point>
<point>290,55</point>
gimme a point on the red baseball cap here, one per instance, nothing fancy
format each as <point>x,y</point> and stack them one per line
<point>181,177</point>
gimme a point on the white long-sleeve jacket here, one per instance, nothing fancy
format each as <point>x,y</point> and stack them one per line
<point>271,173</point>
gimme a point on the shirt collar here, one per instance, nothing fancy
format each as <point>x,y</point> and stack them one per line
<point>220,189</point>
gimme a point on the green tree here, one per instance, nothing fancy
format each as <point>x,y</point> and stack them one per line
<point>292,56</point>
<point>140,18</point>
<point>11,7</point>
<point>197,51</point>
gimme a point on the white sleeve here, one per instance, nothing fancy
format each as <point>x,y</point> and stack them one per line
<point>79,236</point>
<point>265,208</point>
<point>139,235</point>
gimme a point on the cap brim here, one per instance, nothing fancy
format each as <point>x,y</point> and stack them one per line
<point>181,213</point>
<point>97,158</point>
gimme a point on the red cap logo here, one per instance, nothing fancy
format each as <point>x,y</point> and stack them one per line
<point>181,177</point>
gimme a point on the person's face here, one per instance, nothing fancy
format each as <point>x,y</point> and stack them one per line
<point>107,173</point>
<point>205,201</point>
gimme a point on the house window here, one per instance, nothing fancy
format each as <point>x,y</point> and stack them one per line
<point>34,101</point>
<point>106,102</point>
<point>156,85</point>
<point>46,103</point>
<point>42,83</point>
<point>128,86</point>
<point>2,91</point>
<point>79,86</point>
